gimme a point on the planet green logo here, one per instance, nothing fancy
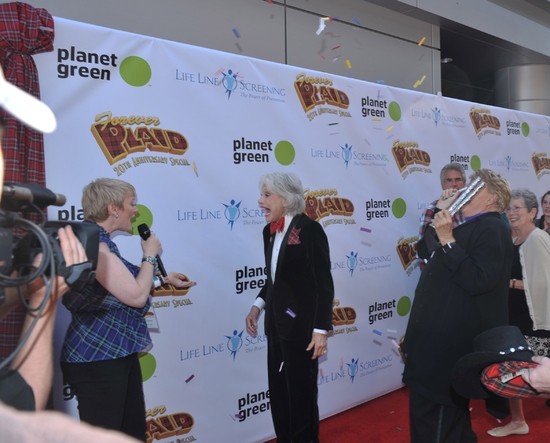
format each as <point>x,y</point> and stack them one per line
<point>144,215</point>
<point>399,208</point>
<point>404,306</point>
<point>135,71</point>
<point>285,152</point>
<point>148,365</point>
<point>395,111</point>
<point>525,129</point>
<point>475,163</point>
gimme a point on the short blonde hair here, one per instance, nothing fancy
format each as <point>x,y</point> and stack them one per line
<point>102,192</point>
<point>496,185</point>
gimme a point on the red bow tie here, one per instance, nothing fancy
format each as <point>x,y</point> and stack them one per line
<point>277,226</point>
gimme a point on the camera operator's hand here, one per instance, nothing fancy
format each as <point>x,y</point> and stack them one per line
<point>73,253</point>
<point>35,360</point>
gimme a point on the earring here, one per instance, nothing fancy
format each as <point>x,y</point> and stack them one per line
<point>116,215</point>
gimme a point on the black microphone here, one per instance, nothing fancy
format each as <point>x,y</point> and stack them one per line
<point>15,196</point>
<point>145,233</point>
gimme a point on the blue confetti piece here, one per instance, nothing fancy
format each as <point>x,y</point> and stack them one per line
<point>356,21</point>
<point>236,33</point>
<point>380,81</point>
<point>376,332</point>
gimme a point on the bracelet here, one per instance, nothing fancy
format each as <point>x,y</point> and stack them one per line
<point>157,282</point>
<point>149,259</point>
<point>513,283</point>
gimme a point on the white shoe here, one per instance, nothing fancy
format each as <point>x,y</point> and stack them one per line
<point>501,432</point>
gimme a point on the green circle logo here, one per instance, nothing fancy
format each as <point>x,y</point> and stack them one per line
<point>475,163</point>
<point>404,306</point>
<point>144,215</point>
<point>525,129</point>
<point>148,365</point>
<point>135,71</point>
<point>395,111</point>
<point>398,208</point>
<point>285,152</point>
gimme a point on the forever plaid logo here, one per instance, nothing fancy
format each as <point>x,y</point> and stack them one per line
<point>294,237</point>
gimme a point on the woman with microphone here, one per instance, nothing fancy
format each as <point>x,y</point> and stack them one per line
<point>99,358</point>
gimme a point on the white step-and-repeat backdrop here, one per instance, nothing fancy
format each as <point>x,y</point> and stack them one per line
<point>193,130</point>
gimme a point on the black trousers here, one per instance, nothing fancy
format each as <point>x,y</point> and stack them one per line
<point>109,394</point>
<point>293,390</point>
<point>433,422</point>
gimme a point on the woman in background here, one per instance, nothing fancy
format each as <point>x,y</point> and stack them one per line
<point>528,296</point>
<point>544,221</point>
<point>99,358</point>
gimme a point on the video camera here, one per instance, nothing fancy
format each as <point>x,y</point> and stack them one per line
<point>17,252</point>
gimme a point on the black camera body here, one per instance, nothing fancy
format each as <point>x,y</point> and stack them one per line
<point>17,252</point>
<point>76,275</point>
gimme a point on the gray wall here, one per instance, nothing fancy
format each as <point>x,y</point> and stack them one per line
<point>383,46</point>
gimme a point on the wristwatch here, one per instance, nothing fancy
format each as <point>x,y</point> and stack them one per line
<point>149,259</point>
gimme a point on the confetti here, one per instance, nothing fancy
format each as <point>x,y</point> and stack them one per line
<point>348,64</point>
<point>321,372</point>
<point>335,58</point>
<point>236,33</point>
<point>380,81</point>
<point>336,47</point>
<point>364,243</point>
<point>195,169</point>
<point>332,124</point>
<point>395,352</point>
<point>281,367</point>
<point>422,41</point>
<point>376,119</point>
<point>422,79</point>
<point>389,129</point>
<point>376,332</point>
<point>392,330</point>
<point>322,56</point>
<point>395,344</point>
<point>341,363</point>
<point>190,378</point>
<point>392,412</point>
<point>270,1</point>
<point>398,428</point>
<point>290,312</point>
<point>377,342</point>
<point>356,21</point>
<point>366,230</point>
<point>321,26</point>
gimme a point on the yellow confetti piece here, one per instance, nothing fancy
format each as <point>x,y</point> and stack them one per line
<point>389,129</point>
<point>326,18</point>
<point>422,79</point>
<point>348,64</point>
<point>422,41</point>
<point>416,84</point>
<point>376,119</point>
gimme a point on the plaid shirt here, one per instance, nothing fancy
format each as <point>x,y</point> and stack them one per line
<point>103,327</point>
<point>427,217</point>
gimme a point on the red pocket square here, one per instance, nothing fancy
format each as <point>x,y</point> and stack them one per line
<point>294,237</point>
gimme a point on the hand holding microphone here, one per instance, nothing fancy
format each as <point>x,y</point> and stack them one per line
<point>145,233</point>
<point>176,279</point>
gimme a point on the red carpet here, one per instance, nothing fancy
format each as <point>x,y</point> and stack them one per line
<point>386,420</point>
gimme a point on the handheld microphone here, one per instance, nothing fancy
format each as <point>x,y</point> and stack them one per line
<point>145,233</point>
